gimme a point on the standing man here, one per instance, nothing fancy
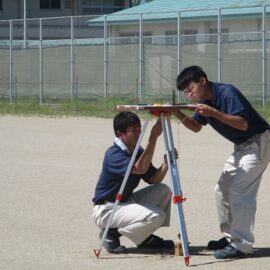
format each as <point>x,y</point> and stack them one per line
<point>231,115</point>
<point>141,212</point>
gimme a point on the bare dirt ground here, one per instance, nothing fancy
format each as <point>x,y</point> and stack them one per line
<point>48,171</point>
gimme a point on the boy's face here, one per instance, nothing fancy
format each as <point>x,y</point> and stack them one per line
<point>131,136</point>
<point>196,91</point>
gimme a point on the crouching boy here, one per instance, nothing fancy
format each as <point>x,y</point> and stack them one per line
<point>139,213</point>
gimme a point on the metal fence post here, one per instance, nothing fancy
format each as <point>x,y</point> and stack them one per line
<point>24,24</point>
<point>16,94</point>
<point>264,57</point>
<point>219,46</point>
<point>40,63</point>
<point>141,78</point>
<point>105,55</point>
<point>10,60</point>
<point>179,49</point>
<point>71,58</point>
<point>76,93</point>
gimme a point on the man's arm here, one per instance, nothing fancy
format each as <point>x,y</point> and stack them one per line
<point>143,163</point>
<point>234,121</point>
<point>188,122</point>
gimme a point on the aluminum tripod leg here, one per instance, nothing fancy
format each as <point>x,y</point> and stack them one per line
<point>119,194</point>
<point>175,181</point>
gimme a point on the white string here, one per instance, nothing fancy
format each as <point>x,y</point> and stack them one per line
<point>178,143</point>
<point>182,121</point>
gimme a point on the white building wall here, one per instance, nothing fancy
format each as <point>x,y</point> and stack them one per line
<point>160,29</point>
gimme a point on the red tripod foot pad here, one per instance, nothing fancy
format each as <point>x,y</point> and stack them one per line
<point>118,197</point>
<point>186,258</point>
<point>97,252</point>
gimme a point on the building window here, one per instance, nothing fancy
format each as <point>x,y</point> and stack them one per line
<point>139,2</point>
<point>96,7</point>
<point>171,37</point>
<point>188,36</point>
<point>133,37</point>
<point>50,4</point>
<point>67,4</point>
<point>129,34</point>
<point>214,32</point>
<point>135,34</point>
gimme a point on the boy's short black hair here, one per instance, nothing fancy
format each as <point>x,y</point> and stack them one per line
<point>123,120</point>
<point>188,75</point>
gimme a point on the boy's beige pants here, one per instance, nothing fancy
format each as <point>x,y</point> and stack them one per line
<point>147,210</point>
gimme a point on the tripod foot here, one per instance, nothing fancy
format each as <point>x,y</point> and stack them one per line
<point>186,260</point>
<point>97,252</point>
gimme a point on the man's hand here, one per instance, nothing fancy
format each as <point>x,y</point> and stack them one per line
<point>234,121</point>
<point>205,110</point>
<point>202,109</point>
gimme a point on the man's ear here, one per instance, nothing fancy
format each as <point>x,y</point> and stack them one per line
<point>119,134</point>
<point>203,80</point>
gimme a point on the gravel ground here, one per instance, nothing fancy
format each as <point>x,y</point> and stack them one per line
<point>48,171</point>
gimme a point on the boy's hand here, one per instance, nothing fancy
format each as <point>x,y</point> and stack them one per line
<point>176,155</point>
<point>156,129</point>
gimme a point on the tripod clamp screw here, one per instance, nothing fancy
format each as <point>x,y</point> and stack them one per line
<point>178,199</point>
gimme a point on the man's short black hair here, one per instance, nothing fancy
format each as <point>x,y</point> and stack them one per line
<point>188,75</point>
<point>123,120</point>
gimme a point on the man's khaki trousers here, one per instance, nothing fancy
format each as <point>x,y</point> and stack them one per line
<point>236,191</point>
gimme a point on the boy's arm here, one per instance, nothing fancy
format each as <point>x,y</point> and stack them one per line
<point>143,163</point>
<point>159,174</point>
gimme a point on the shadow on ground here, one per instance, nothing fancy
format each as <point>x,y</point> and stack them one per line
<point>202,251</point>
<point>259,252</point>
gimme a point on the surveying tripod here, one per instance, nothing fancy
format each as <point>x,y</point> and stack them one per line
<point>162,111</point>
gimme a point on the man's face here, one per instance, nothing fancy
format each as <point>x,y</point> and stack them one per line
<point>196,91</point>
<point>131,136</point>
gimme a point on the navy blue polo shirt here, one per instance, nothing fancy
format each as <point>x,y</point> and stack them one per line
<point>230,100</point>
<point>114,167</point>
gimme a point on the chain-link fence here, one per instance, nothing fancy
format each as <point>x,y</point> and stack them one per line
<point>88,57</point>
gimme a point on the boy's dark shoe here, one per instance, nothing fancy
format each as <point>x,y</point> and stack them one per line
<point>112,242</point>
<point>229,252</point>
<point>218,244</point>
<point>155,242</point>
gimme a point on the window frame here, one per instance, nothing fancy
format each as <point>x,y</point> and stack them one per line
<point>50,5</point>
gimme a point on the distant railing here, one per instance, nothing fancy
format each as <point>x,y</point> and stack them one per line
<point>104,56</point>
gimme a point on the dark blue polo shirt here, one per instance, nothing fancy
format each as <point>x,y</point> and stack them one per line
<point>114,167</point>
<point>229,100</point>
